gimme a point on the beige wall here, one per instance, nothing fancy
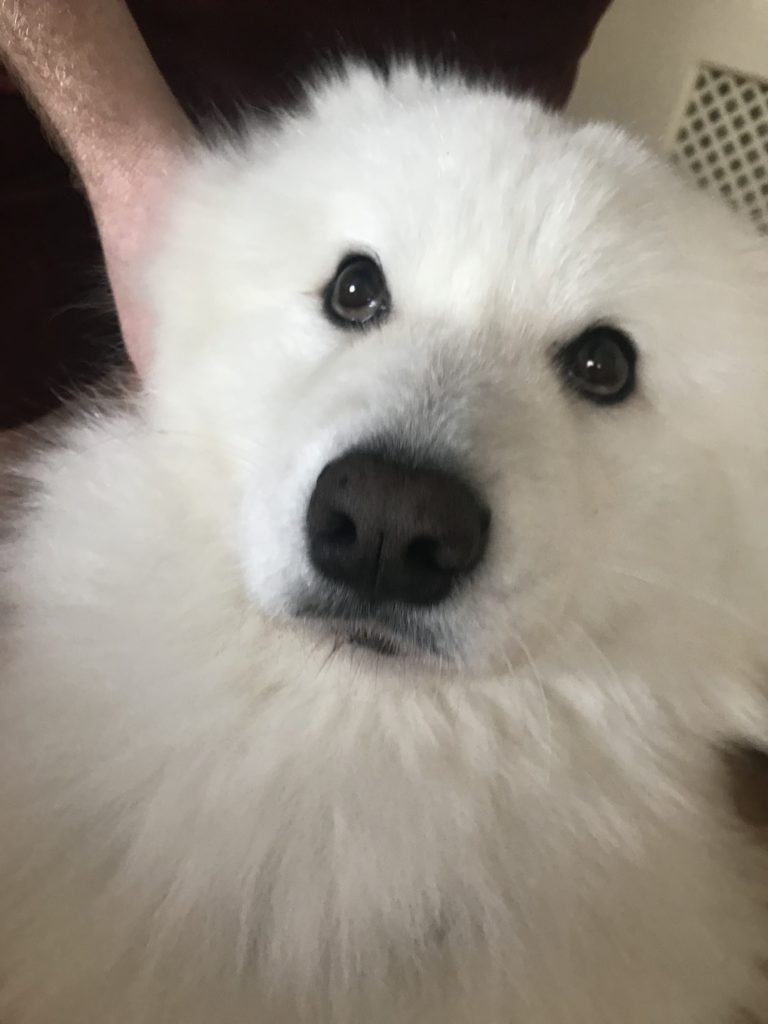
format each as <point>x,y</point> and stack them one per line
<point>645,52</point>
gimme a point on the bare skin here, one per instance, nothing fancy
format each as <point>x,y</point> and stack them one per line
<point>89,74</point>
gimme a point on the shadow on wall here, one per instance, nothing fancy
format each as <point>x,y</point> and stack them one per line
<point>646,54</point>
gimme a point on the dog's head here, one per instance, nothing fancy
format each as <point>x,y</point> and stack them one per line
<point>473,372</point>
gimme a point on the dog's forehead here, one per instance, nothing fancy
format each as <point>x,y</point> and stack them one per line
<point>479,206</point>
<point>532,226</point>
<point>478,187</point>
<point>503,167</point>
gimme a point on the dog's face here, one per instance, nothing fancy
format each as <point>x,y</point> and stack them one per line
<point>475,373</point>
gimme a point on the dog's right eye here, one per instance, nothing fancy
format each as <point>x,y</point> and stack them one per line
<point>358,295</point>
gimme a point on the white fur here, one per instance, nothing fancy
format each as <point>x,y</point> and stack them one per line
<point>209,813</point>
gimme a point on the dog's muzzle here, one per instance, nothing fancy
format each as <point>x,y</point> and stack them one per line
<point>389,538</point>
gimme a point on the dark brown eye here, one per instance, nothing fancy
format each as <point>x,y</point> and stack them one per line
<point>358,293</point>
<point>600,364</point>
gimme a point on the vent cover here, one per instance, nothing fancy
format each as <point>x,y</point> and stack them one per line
<point>721,139</point>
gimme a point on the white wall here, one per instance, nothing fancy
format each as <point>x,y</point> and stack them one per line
<point>645,52</point>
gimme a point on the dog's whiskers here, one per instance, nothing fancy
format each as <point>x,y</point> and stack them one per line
<point>542,691</point>
<point>670,586</point>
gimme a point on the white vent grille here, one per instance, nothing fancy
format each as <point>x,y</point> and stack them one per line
<point>722,138</point>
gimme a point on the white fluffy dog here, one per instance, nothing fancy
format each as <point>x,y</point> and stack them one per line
<point>398,655</point>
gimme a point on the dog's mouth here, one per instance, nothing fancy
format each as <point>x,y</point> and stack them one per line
<point>388,632</point>
<point>372,639</point>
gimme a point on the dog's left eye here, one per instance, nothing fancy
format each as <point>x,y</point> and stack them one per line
<point>599,364</point>
<point>358,293</point>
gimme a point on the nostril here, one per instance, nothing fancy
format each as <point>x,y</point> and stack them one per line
<point>337,528</point>
<point>446,555</point>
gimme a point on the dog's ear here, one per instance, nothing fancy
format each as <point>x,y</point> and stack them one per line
<point>747,775</point>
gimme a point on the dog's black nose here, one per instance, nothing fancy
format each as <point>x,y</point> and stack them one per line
<point>393,532</point>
